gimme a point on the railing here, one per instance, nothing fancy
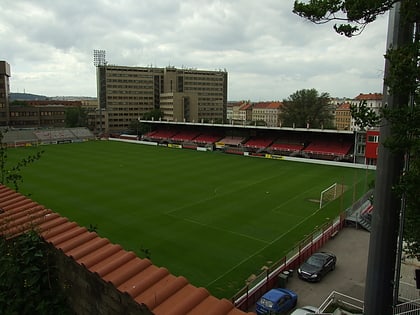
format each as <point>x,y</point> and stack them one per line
<point>343,301</point>
<point>256,287</point>
<point>408,308</point>
<point>407,292</point>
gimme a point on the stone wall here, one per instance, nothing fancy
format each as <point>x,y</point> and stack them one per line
<point>86,293</point>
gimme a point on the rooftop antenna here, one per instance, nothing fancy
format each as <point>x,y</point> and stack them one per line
<point>99,57</point>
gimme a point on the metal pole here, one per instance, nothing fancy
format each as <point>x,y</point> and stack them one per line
<point>382,258</point>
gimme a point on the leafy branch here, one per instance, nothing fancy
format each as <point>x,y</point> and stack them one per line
<point>12,175</point>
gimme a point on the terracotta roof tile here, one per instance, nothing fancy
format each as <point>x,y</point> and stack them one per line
<point>87,248</point>
<point>65,235</point>
<point>127,271</point>
<point>182,301</point>
<point>99,255</point>
<point>55,226</point>
<point>370,96</point>
<point>143,280</point>
<point>162,292</point>
<point>77,240</point>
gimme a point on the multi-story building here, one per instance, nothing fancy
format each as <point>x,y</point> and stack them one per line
<point>268,112</point>
<point>40,113</point>
<point>4,93</point>
<point>127,93</point>
<point>238,116</point>
<point>373,102</point>
<point>343,117</point>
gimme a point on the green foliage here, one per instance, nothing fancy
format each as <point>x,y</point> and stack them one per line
<point>364,117</point>
<point>12,174</point>
<point>306,107</point>
<point>138,128</point>
<point>18,103</point>
<point>402,80</point>
<point>28,281</point>
<point>76,117</point>
<point>358,13</point>
<point>404,73</point>
<point>155,114</point>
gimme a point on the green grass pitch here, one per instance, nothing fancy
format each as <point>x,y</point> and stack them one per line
<point>214,218</point>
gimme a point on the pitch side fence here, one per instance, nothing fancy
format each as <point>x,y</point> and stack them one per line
<point>275,274</point>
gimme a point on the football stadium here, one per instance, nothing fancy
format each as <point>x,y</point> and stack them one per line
<point>216,218</point>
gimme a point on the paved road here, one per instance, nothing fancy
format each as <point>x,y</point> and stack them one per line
<point>351,247</point>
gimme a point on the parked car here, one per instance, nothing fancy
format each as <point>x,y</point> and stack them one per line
<point>305,310</point>
<point>317,266</point>
<point>276,301</point>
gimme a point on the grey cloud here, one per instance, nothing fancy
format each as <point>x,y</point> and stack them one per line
<point>268,51</point>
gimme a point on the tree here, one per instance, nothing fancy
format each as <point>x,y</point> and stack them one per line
<point>154,114</point>
<point>76,117</point>
<point>358,13</point>
<point>12,174</point>
<point>138,128</point>
<point>364,117</point>
<point>28,277</point>
<point>397,183</point>
<point>306,108</point>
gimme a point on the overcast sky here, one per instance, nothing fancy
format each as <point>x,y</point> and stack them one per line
<point>268,51</point>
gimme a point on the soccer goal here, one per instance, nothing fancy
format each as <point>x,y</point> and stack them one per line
<point>328,194</point>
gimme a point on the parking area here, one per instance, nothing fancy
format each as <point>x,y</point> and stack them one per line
<point>351,247</point>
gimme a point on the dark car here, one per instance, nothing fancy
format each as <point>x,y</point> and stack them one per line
<point>317,266</point>
<point>276,301</point>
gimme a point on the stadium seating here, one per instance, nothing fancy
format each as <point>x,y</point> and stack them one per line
<point>207,138</point>
<point>185,135</point>
<point>328,148</point>
<point>286,147</point>
<point>16,137</point>
<point>232,140</point>
<point>258,143</point>
<point>163,134</point>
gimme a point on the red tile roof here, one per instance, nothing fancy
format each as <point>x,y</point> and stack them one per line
<point>246,106</point>
<point>268,105</point>
<point>344,106</point>
<point>368,97</point>
<point>162,292</point>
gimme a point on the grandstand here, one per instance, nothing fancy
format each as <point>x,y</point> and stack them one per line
<point>207,138</point>
<point>160,134</point>
<point>258,143</point>
<point>29,137</point>
<point>232,140</point>
<point>185,135</point>
<point>328,149</point>
<point>330,145</point>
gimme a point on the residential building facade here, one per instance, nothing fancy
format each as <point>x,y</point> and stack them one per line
<point>268,112</point>
<point>343,117</point>
<point>127,93</point>
<point>373,102</point>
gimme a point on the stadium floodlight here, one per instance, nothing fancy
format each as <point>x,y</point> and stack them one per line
<point>99,57</point>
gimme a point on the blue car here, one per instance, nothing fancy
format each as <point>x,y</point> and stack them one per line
<point>276,301</point>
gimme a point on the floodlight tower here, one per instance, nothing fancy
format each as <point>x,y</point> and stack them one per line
<point>99,62</point>
<point>99,57</point>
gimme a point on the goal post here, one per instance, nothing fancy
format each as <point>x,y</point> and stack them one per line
<point>328,194</point>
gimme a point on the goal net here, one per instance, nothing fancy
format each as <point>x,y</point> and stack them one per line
<point>328,194</point>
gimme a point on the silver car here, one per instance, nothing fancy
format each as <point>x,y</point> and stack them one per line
<point>305,310</point>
